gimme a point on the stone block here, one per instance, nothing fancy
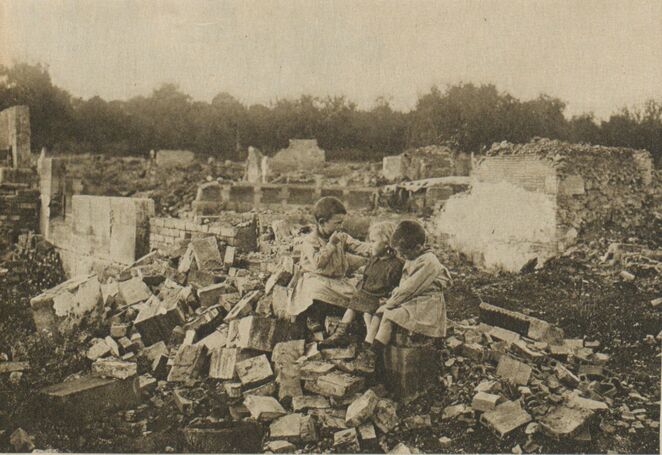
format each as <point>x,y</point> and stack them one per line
<point>229,256</point>
<point>342,353</point>
<point>565,376</point>
<point>409,371</point>
<point>282,275</point>
<point>155,350</point>
<point>346,441</point>
<point>575,401</point>
<point>513,370</point>
<point>289,382</point>
<point>483,401</point>
<point>502,334</point>
<point>233,389</point>
<point>206,253</point>
<point>216,339</point>
<point>263,408</point>
<point>118,330</point>
<point>113,368</point>
<point>385,416</point>
<point>244,306</point>
<point>267,389</point>
<point>336,384</point>
<point>223,362</point>
<point>231,439</point>
<point>146,385</point>
<point>156,320</point>
<point>416,422</point>
<point>367,432</point>
<point>262,334</point>
<point>280,447</point>
<point>279,298</point>
<point>61,309</point>
<point>306,402</point>
<point>564,422</point>
<point>210,295</point>
<point>403,449</point>
<point>98,349</point>
<point>361,409</point>
<point>294,427</point>
<point>315,369</point>
<point>254,370</point>
<point>287,352</point>
<point>507,417</point>
<point>184,405</point>
<point>88,396</point>
<point>133,291</point>
<point>188,364</point>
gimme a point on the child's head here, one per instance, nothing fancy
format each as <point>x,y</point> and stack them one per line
<point>380,235</point>
<point>329,213</point>
<point>409,239</point>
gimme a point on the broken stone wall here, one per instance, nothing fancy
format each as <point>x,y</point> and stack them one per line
<point>213,198</point>
<point>168,232</point>
<point>174,158</point>
<point>15,137</point>
<point>534,200</point>
<point>102,232</point>
<point>300,154</point>
<point>19,200</point>
<point>426,162</point>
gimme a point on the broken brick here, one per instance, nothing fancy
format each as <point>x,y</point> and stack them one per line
<point>262,334</point>
<point>133,291</point>
<point>98,349</point>
<point>315,369</point>
<point>513,370</point>
<point>206,253</point>
<point>343,353</point>
<point>418,421</point>
<point>564,422</point>
<point>263,408</point>
<point>188,363</point>
<point>289,382</point>
<point>244,306</point>
<point>222,363</point>
<point>367,432</point>
<point>287,352</point>
<point>209,295</point>
<point>254,370</point>
<point>233,389</point>
<point>118,330</point>
<point>336,384</point>
<point>346,440</point>
<point>385,416</point>
<point>485,401</point>
<point>267,389</point>
<point>279,299</point>
<point>507,417</point>
<point>565,376</point>
<point>113,368</point>
<point>361,409</point>
<point>184,405</point>
<point>294,427</point>
<point>305,402</point>
<point>280,447</point>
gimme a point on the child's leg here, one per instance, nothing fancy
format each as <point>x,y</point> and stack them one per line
<point>384,332</point>
<point>367,318</point>
<point>349,316</point>
<point>375,321</point>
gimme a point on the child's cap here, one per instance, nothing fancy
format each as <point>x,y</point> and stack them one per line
<point>383,230</point>
<point>408,234</point>
<point>328,206</point>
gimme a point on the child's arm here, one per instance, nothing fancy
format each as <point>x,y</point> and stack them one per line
<point>418,281</point>
<point>317,256</point>
<point>356,246</point>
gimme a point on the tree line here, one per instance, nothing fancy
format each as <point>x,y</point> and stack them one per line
<point>470,116</point>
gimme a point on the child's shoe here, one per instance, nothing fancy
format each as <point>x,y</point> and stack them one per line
<point>340,336</point>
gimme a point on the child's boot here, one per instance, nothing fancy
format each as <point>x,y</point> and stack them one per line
<point>340,336</point>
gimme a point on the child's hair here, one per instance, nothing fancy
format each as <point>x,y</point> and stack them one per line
<point>383,230</point>
<point>328,206</point>
<point>408,234</point>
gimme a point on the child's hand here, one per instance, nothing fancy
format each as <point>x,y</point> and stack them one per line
<point>337,237</point>
<point>381,309</point>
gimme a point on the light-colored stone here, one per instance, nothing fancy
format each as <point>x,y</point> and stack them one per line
<point>507,417</point>
<point>483,401</point>
<point>263,408</point>
<point>305,402</point>
<point>361,409</point>
<point>113,368</point>
<point>513,370</point>
<point>254,370</point>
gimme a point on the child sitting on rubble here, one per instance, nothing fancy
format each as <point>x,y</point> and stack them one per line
<point>326,258</point>
<point>380,276</point>
<point>417,304</point>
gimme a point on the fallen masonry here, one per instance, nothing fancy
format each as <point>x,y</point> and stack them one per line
<point>190,329</point>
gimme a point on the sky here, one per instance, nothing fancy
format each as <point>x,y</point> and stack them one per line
<point>597,56</point>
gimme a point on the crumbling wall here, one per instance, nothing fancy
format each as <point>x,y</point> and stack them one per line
<point>102,232</point>
<point>168,232</point>
<point>301,154</point>
<point>174,158</point>
<point>426,162</point>
<point>19,201</point>
<point>534,200</point>
<point>15,136</point>
<point>213,198</point>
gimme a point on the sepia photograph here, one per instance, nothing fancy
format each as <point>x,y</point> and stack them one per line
<point>330,226</point>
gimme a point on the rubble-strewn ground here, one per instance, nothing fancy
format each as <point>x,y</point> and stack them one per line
<point>584,292</point>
